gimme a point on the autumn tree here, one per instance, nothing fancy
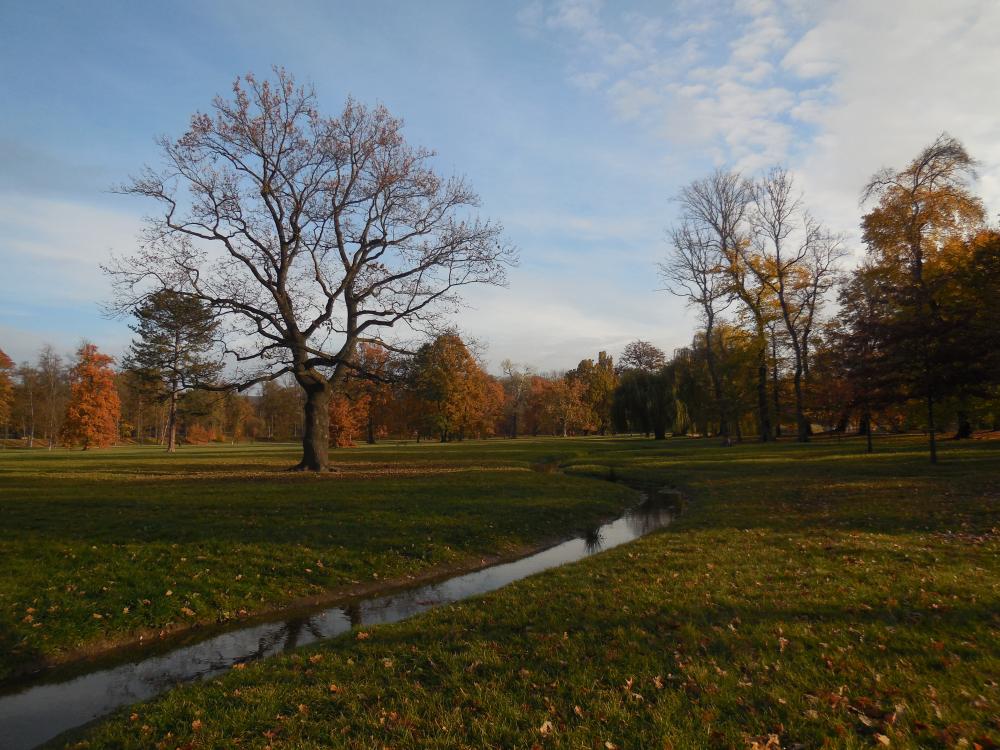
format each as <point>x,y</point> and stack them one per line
<point>919,211</point>
<point>598,380</point>
<point>306,235</point>
<point>456,393</point>
<point>175,334</point>
<point>563,407</point>
<point>93,409</point>
<point>6,388</point>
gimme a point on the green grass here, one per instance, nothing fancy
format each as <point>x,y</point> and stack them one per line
<point>99,547</point>
<point>811,593</point>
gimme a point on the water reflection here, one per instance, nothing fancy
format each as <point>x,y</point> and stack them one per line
<point>40,712</point>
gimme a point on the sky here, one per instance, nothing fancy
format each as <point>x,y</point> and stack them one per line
<point>577,121</point>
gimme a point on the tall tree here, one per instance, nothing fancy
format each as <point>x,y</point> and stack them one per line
<point>307,235</point>
<point>54,392</point>
<point>920,210</point>
<point>694,272</point>
<point>93,409</point>
<point>798,265</point>
<point>711,231</point>
<point>175,333</point>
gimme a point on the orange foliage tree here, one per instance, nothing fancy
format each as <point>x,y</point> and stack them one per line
<point>93,409</point>
<point>6,387</point>
<point>458,398</point>
<point>348,417</point>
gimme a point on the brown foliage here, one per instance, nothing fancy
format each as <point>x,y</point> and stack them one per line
<point>94,408</point>
<point>6,386</point>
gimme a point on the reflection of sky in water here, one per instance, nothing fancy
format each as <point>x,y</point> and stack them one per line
<point>39,713</point>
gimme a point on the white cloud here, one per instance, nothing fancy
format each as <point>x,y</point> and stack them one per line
<point>50,254</point>
<point>835,90</point>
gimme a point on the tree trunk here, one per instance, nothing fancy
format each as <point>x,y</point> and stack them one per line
<point>660,433</point>
<point>964,426</point>
<point>804,430</point>
<point>931,427</point>
<point>172,423</point>
<point>316,425</point>
<point>371,427</point>
<point>763,410</point>
<point>720,401</point>
<point>776,394</point>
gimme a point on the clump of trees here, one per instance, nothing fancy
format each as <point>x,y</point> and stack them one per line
<point>913,320</point>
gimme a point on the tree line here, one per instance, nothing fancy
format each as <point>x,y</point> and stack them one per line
<point>295,278</point>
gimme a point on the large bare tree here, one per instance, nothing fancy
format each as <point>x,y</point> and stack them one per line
<point>306,235</point>
<point>711,230</point>
<point>694,272</point>
<point>798,264</point>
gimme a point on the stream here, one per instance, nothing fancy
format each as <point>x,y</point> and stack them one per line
<point>44,706</point>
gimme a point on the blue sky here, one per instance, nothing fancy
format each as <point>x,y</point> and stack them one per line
<point>576,120</point>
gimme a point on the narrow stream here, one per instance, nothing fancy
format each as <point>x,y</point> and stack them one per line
<point>40,711</point>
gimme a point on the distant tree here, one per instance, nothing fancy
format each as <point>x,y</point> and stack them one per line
<point>6,388</point>
<point>347,418</point>
<point>93,409</point>
<point>644,402</point>
<point>374,379</point>
<point>599,381</point>
<point>641,355</point>
<point>517,388</point>
<point>53,392</point>
<point>175,335</point>
<point>307,236</point>
<point>458,397</point>
<point>26,400</point>
<point>564,409</point>
<point>920,211</point>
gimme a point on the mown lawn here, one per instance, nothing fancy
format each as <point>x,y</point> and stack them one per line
<point>98,547</point>
<point>811,596</point>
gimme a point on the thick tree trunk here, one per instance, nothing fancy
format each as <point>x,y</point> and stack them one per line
<point>371,428</point>
<point>964,426</point>
<point>660,433</point>
<point>316,425</point>
<point>172,423</point>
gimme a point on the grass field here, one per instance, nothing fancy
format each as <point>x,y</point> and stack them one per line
<point>99,547</point>
<point>810,596</point>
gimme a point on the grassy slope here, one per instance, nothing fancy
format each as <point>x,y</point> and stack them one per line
<point>812,593</point>
<point>97,546</point>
